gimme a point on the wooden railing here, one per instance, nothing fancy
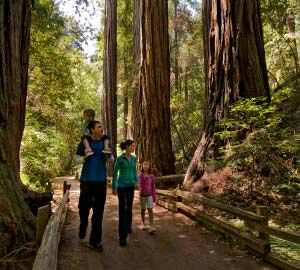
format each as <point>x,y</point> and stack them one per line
<point>169,180</point>
<point>172,200</point>
<point>161,181</point>
<point>46,258</point>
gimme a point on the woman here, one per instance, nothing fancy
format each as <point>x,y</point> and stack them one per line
<point>125,179</point>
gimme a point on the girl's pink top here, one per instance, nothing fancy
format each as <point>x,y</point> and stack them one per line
<point>147,185</point>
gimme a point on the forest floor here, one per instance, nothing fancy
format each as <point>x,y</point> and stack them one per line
<point>179,243</point>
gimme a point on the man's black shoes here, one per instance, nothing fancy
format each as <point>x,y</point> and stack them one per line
<point>97,247</point>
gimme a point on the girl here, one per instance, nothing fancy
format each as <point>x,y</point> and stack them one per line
<point>147,194</point>
<point>124,181</point>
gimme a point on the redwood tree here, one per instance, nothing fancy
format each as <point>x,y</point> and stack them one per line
<point>153,134</point>
<point>109,101</point>
<point>17,221</point>
<point>175,46</point>
<point>133,115</point>
<point>235,67</point>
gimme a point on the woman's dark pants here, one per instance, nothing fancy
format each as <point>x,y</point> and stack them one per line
<point>125,196</point>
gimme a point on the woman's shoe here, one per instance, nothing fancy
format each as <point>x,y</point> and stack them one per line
<point>123,242</point>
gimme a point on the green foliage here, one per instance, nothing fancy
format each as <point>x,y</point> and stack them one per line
<point>263,149</point>
<point>247,115</point>
<point>61,85</point>
<point>281,44</point>
<point>258,147</point>
<point>186,123</point>
<point>126,68</point>
<point>42,156</point>
<point>187,101</point>
<point>285,249</point>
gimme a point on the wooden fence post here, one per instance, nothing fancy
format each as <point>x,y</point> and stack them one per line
<point>41,223</point>
<point>263,211</point>
<point>65,187</point>
<point>179,199</point>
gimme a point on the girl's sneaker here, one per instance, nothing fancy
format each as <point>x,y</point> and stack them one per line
<point>144,227</point>
<point>152,229</point>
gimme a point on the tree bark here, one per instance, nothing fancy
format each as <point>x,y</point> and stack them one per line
<point>109,98</point>
<point>133,114</point>
<point>176,49</point>
<point>186,89</point>
<point>235,67</point>
<point>126,102</point>
<point>291,26</point>
<point>154,135</point>
<point>17,222</point>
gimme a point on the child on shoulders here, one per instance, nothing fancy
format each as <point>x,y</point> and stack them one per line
<point>88,117</point>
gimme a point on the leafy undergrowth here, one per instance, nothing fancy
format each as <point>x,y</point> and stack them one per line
<point>282,206</point>
<point>284,249</point>
<point>261,166</point>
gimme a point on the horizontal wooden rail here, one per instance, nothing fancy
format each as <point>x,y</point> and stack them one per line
<point>167,193</point>
<point>260,243</point>
<point>229,209</point>
<point>172,206</point>
<point>46,258</point>
<point>288,236</point>
<point>245,238</point>
<point>177,178</point>
<point>249,216</point>
<point>280,262</point>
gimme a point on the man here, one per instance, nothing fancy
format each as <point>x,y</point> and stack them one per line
<point>92,186</point>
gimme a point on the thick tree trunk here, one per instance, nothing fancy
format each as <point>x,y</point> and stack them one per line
<point>17,222</point>
<point>133,114</point>
<point>234,66</point>
<point>125,27</point>
<point>154,136</point>
<point>109,101</point>
<point>126,102</point>
<point>185,85</point>
<point>176,49</point>
<point>291,26</point>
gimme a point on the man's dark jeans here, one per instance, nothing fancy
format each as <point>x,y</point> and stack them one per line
<point>125,196</point>
<point>92,195</point>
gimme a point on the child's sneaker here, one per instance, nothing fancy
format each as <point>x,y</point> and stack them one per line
<point>152,229</point>
<point>88,153</point>
<point>144,227</point>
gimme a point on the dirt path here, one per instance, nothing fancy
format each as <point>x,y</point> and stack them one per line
<point>178,244</point>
